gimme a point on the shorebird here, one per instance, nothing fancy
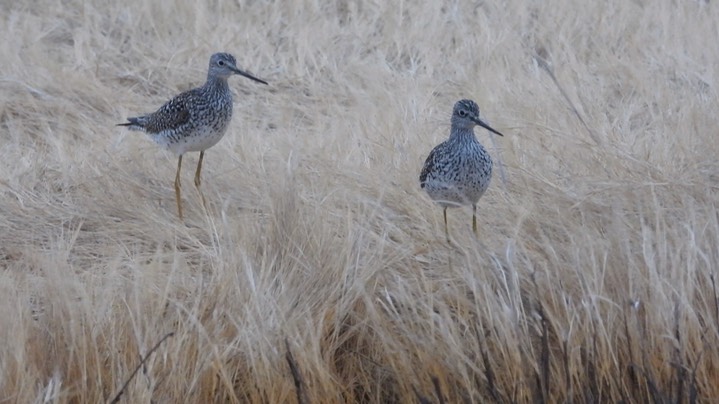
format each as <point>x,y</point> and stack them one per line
<point>194,120</point>
<point>458,171</point>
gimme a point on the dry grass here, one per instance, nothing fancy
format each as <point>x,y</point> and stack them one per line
<point>593,279</point>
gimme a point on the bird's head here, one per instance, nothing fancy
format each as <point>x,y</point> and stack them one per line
<point>224,65</point>
<point>466,115</point>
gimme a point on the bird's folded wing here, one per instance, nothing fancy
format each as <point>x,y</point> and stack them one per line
<point>428,166</point>
<point>172,115</point>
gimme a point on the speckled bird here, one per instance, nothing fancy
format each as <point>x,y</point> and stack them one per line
<point>458,171</point>
<point>194,120</point>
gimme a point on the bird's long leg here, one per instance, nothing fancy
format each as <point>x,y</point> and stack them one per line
<point>199,169</point>
<point>197,178</point>
<point>177,187</point>
<point>446,229</point>
<point>474,219</point>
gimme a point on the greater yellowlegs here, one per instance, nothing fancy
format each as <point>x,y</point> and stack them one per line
<point>194,120</point>
<point>458,171</point>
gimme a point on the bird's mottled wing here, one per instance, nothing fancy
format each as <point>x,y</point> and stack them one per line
<point>172,115</point>
<point>429,164</point>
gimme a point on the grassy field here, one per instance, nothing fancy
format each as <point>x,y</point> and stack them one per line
<point>319,271</point>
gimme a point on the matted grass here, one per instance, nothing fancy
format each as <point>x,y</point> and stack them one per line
<point>319,272</point>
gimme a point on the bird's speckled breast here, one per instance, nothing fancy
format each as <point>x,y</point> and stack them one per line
<point>206,127</point>
<point>461,181</point>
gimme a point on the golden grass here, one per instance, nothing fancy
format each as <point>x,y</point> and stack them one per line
<point>593,278</point>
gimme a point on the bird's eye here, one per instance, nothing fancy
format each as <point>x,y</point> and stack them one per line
<point>221,63</point>
<point>462,113</point>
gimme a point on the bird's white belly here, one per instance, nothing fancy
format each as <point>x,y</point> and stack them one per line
<point>454,194</point>
<point>201,139</point>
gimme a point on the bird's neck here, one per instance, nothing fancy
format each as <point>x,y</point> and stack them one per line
<point>462,134</point>
<point>215,83</point>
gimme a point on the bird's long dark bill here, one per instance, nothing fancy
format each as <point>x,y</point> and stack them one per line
<point>249,76</point>
<point>485,126</point>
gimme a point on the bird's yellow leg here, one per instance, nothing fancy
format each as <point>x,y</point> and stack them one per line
<point>199,169</point>
<point>474,219</point>
<point>177,187</point>
<point>446,228</point>
<point>197,178</point>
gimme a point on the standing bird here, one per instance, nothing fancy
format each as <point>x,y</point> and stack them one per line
<point>459,170</point>
<point>194,120</point>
